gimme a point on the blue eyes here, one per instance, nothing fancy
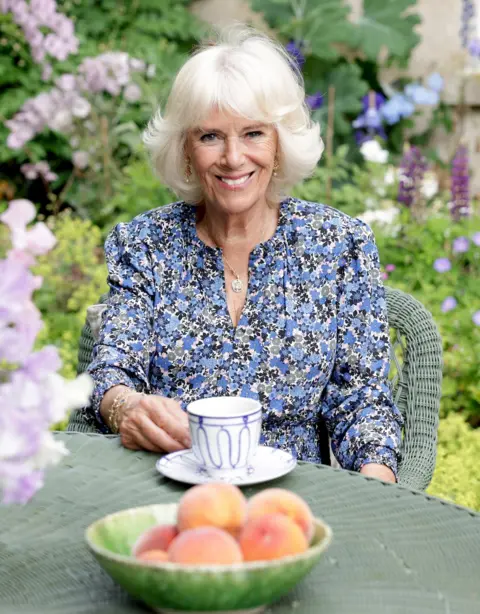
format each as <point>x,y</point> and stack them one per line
<point>210,137</point>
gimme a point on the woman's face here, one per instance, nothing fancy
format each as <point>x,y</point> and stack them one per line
<point>233,158</point>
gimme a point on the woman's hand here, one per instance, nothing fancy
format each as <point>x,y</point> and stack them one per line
<point>155,423</point>
<point>381,472</point>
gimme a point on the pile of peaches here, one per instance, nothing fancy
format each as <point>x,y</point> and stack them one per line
<point>217,525</point>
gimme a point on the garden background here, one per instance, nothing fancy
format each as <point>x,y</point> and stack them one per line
<point>79,79</point>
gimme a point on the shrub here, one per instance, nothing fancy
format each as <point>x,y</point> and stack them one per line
<point>457,474</point>
<point>74,277</point>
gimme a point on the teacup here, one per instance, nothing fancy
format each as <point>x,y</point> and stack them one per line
<point>225,432</point>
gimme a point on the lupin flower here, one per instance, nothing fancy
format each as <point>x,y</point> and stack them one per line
<point>412,171</point>
<point>460,184</point>
<point>468,12</point>
<point>476,239</point>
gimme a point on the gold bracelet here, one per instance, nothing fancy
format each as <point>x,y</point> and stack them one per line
<point>118,402</point>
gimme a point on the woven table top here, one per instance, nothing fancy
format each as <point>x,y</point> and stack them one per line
<point>395,551</point>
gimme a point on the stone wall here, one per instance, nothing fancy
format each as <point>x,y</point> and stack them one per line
<point>439,50</point>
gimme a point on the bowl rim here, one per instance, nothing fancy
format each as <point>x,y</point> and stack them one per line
<point>225,569</point>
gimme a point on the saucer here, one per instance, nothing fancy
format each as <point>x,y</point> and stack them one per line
<point>267,464</point>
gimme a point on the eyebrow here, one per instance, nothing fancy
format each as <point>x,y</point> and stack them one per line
<point>200,130</point>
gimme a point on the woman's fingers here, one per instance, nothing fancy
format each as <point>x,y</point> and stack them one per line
<point>169,416</point>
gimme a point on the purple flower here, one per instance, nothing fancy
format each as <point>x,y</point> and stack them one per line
<point>442,265</point>
<point>295,51</point>
<point>460,184</point>
<point>448,304</point>
<point>468,12</point>
<point>461,245</point>
<point>412,171</point>
<point>390,267</point>
<point>315,101</point>
<point>373,99</point>
<point>476,318</point>
<point>474,48</point>
<point>476,239</point>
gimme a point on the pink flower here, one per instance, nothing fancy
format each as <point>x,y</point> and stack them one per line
<point>390,267</point>
<point>132,92</point>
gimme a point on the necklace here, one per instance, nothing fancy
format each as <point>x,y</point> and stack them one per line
<point>237,283</point>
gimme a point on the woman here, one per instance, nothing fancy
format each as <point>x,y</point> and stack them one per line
<point>238,289</point>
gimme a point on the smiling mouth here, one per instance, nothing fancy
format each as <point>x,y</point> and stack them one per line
<point>235,182</point>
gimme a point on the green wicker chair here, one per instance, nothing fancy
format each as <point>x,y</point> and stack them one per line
<point>416,377</point>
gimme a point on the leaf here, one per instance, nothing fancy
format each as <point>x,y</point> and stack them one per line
<point>384,24</point>
<point>349,90</point>
<point>321,23</point>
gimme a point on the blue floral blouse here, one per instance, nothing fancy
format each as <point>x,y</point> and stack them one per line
<point>312,340</point>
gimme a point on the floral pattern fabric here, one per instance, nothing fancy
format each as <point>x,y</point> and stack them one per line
<point>312,340</point>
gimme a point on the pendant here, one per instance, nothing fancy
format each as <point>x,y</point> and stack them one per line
<point>237,285</point>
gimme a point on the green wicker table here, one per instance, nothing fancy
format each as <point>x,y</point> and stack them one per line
<point>395,550</point>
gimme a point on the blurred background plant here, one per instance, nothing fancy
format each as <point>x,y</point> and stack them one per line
<point>80,78</point>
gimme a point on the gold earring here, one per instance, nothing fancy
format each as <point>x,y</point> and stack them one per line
<point>188,170</point>
<point>276,166</point>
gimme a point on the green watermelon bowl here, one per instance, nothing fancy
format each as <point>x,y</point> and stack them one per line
<point>174,588</point>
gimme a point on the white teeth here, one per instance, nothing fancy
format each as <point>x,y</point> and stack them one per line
<point>235,181</point>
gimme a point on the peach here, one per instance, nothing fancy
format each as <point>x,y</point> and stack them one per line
<point>272,536</point>
<point>282,501</point>
<point>215,504</point>
<point>205,546</point>
<point>158,537</point>
<point>153,556</point>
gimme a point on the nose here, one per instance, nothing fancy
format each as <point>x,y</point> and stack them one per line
<point>233,154</point>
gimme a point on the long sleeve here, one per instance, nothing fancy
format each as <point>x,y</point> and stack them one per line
<point>123,349</point>
<point>363,422</point>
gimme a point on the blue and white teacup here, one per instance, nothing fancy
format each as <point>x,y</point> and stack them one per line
<point>225,432</point>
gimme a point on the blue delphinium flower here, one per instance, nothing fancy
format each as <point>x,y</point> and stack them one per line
<point>398,107</point>
<point>369,123</point>
<point>435,82</point>
<point>295,51</point>
<point>419,94</point>
<point>314,101</point>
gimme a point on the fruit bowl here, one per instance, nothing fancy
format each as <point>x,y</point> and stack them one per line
<point>175,588</point>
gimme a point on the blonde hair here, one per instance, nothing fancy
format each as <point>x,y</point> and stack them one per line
<point>247,74</point>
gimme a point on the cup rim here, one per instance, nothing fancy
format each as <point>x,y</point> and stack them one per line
<point>256,407</point>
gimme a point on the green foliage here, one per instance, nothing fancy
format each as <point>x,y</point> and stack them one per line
<point>354,187</point>
<point>349,90</point>
<point>74,277</point>
<point>332,42</point>
<point>413,251</point>
<point>457,472</point>
<point>136,191</point>
<point>385,24</point>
